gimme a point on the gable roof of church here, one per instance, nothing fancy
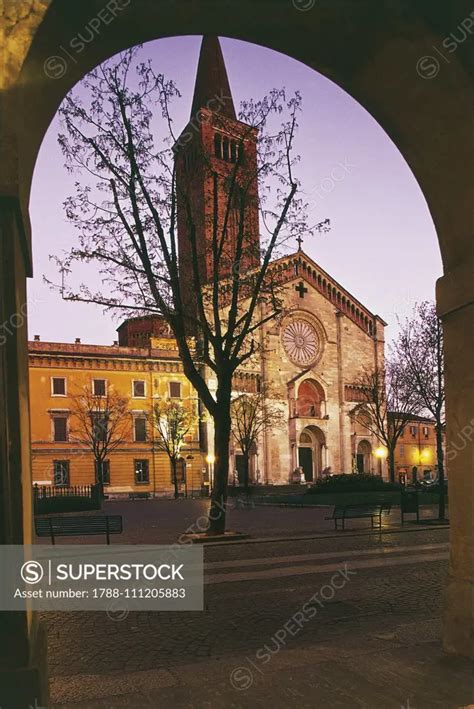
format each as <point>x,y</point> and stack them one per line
<point>300,265</point>
<point>211,80</point>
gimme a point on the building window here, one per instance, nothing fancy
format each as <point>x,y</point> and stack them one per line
<point>61,473</point>
<point>138,388</point>
<point>225,149</point>
<point>402,451</point>
<point>413,430</point>
<point>98,387</point>
<point>60,428</point>
<point>139,426</point>
<point>425,431</point>
<point>100,424</point>
<point>142,472</point>
<point>175,390</point>
<point>105,478</point>
<point>58,386</point>
<point>218,145</point>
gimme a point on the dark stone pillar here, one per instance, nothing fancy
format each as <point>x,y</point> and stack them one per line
<point>23,677</point>
<point>455,296</point>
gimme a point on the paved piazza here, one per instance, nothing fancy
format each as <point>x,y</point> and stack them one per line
<point>373,642</point>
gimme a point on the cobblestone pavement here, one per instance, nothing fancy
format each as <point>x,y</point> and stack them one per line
<point>163,521</point>
<point>373,643</point>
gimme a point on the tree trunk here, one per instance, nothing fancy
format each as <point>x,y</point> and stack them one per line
<point>175,478</point>
<point>439,455</point>
<point>222,429</point>
<point>246,472</point>
<point>391,464</point>
<point>100,478</point>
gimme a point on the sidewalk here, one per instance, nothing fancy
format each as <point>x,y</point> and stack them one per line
<point>163,521</point>
<point>366,671</point>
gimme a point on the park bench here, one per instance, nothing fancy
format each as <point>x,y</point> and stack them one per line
<point>358,511</point>
<point>76,526</point>
<point>139,495</point>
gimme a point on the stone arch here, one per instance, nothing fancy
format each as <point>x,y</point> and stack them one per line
<point>311,399</point>
<point>428,120</point>
<point>312,452</point>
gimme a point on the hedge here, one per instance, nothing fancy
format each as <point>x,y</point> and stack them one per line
<point>70,503</point>
<point>353,482</point>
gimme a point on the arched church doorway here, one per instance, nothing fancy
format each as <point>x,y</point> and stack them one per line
<point>311,452</point>
<point>364,452</point>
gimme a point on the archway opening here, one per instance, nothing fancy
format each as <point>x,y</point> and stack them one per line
<point>364,457</point>
<point>312,453</point>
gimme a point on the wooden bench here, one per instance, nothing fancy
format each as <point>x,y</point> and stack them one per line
<point>359,511</point>
<point>77,526</point>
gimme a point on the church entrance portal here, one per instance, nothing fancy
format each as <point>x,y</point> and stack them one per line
<point>312,452</point>
<point>240,467</point>
<point>364,452</point>
<point>305,461</point>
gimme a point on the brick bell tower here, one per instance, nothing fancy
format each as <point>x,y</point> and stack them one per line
<point>214,151</point>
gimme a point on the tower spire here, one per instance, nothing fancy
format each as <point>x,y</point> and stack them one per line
<point>212,88</point>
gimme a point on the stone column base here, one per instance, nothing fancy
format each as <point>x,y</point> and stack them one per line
<point>458,618</point>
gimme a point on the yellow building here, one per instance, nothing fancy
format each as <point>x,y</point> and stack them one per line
<point>416,448</point>
<point>60,371</point>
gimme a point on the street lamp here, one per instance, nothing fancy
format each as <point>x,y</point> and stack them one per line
<point>189,458</point>
<point>210,460</point>
<point>380,453</point>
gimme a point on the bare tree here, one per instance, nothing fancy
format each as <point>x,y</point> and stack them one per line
<point>252,414</point>
<point>130,203</point>
<point>387,400</point>
<point>420,346</point>
<point>101,423</point>
<point>173,422</point>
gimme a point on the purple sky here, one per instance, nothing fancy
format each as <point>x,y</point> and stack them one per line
<point>382,245</point>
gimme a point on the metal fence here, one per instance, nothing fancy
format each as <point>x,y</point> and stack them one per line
<point>43,492</point>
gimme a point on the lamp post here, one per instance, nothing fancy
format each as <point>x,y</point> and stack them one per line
<point>210,460</point>
<point>380,454</point>
<point>190,459</point>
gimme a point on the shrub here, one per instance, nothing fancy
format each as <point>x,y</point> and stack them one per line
<point>70,503</point>
<point>352,482</point>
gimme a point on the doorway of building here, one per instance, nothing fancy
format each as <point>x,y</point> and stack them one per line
<point>240,468</point>
<point>305,461</point>
<point>312,452</point>
<point>364,453</point>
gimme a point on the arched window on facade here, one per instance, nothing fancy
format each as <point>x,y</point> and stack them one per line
<point>310,399</point>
